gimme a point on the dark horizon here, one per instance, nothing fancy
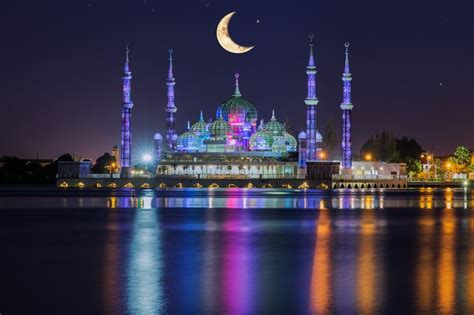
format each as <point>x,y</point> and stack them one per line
<point>412,68</point>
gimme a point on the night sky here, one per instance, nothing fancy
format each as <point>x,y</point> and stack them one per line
<point>412,64</point>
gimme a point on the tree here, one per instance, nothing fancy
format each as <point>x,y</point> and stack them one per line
<point>408,149</point>
<point>382,147</point>
<point>413,167</point>
<point>331,140</point>
<point>103,164</point>
<point>462,157</point>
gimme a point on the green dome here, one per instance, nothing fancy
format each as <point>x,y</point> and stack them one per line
<point>200,128</point>
<point>261,141</point>
<point>219,127</point>
<point>188,141</point>
<point>290,142</point>
<point>275,127</point>
<point>238,108</point>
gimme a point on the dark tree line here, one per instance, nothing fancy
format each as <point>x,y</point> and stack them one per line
<point>386,147</point>
<point>17,171</point>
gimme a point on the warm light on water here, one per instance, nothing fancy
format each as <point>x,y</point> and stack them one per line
<point>241,252</point>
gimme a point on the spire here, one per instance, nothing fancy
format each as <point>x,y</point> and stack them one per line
<point>170,69</point>
<point>126,68</point>
<point>127,105</point>
<point>219,113</point>
<point>273,115</point>
<point>237,90</point>
<point>188,125</point>
<point>311,71</point>
<point>260,127</point>
<point>311,102</point>
<point>346,68</point>
<point>311,55</point>
<point>201,117</point>
<point>127,77</point>
<point>170,107</point>
<point>346,79</point>
<point>346,107</point>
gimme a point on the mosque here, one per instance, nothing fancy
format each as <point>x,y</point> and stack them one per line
<point>237,142</point>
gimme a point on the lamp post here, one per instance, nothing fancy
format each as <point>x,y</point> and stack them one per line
<point>147,159</point>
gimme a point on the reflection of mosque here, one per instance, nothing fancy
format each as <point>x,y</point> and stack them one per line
<point>230,261</point>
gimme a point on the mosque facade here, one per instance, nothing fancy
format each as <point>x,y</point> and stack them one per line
<point>237,142</point>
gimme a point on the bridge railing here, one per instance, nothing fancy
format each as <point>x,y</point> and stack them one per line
<point>368,177</point>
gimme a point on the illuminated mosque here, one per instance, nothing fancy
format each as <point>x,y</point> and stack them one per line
<point>236,142</point>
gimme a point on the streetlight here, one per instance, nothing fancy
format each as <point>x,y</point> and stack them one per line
<point>146,158</point>
<point>322,155</point>
<point>368,157</point>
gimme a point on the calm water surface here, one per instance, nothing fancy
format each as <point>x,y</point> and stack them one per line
<point>236,252</point>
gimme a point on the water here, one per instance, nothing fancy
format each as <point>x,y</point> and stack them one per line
<point>236,252</point>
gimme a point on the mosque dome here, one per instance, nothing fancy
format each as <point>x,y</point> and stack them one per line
<point>219,127</point>
<point>261,141</point>
<point>157,137</point>
<point>237,109</point>
<point>302,135</point>
<point>200,128</point>
<point>319,138</point>
<point>290,141</point>
<point>274,127</point>
<point>188,140</point>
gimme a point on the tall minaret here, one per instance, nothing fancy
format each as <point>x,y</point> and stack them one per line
<point>127,105</point>
<point>170,108</point>
<point>346,107</point>
<point>311,102</point>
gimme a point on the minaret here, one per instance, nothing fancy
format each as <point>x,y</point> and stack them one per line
<point>346,107</point>
<point>127,105</point>
<point>311,102</point>
<point>170,108</point>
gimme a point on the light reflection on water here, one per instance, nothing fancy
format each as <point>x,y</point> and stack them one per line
<point>252,253</point>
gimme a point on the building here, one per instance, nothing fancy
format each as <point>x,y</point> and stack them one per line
<point>74,169</point>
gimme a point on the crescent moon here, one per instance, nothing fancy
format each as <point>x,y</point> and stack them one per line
<point>224,38</point>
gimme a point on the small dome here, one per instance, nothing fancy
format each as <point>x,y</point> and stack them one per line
<point>200,128</point>
<point>219,127</point>
<point>275,127</point>
<point>188,141</point>
<point>261,141</point>
<point>174,138</point>
<point>319,138</point>
<point>302,135</point>
<point>157,136</point>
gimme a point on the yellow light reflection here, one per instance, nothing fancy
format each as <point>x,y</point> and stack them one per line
<point>425,264</point>
<point>447,267</point>
<point>112,202</point>
<point>321,273</point>
<point>470,269</point>
<point>366,275</point>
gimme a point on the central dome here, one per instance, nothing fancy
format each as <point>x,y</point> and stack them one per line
<point>237,109</point>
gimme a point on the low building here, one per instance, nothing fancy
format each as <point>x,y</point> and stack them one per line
<point>74,169</point>
<point>226,165</point>
<point>378,170</point>
<point>322,170</point>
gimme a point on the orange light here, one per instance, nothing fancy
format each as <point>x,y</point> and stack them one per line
<point>368,157</point>
<point>322,155</point>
